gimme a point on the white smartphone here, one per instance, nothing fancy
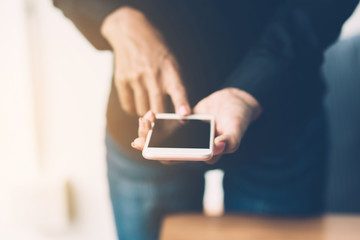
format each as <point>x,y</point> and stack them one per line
<point>173,137</point>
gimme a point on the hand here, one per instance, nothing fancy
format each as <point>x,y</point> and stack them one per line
<point>234,110</point>
<point>144,127</point>
<point>145,70</point>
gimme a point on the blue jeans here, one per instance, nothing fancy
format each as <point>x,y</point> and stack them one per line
<point>290,183</point>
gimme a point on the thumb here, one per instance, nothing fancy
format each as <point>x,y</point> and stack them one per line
<point>219,147</point>
<point>232,142</point>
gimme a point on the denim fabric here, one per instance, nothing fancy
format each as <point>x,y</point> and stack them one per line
<point>143,191</point>
<point>291,183</point>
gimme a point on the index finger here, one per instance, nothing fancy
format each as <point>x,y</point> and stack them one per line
<point>175,88</point>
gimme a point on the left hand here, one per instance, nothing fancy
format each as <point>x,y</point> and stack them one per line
<point>234,110</point>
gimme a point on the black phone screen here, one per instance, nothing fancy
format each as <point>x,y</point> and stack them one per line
<point>174,133</point>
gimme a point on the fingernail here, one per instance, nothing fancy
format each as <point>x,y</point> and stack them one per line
<point>221,145</point>
<point>133,144</point>
<point>219,148</point>
<point>183,110</point>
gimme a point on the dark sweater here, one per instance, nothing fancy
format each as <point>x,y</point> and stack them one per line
<point>273,49</point>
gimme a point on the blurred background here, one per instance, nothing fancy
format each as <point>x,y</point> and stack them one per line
<point>53,94</point>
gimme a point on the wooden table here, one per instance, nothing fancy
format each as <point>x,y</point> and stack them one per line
<point>229,227</point>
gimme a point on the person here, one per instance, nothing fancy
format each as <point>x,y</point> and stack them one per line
<point>254,65</point>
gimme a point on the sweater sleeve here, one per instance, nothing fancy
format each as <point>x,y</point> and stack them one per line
<point>88,15</point>
<point>293,41</point>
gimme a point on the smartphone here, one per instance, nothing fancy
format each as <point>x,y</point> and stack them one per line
<point>173,137</point>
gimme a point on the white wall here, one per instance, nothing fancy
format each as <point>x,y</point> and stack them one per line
<point>352,25</point>
<point>17,136</point>
<point>60,128</point>
<point>75,84</point>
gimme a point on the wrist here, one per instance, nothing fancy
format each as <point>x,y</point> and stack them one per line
<point>251,103</point>
<point>119,20</point>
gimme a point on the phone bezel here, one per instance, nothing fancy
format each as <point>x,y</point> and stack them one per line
<point>183,154</point>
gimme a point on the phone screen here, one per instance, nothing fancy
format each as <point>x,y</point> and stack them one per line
<point>174,133</point>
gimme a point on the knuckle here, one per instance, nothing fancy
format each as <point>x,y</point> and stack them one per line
<point>119,79</point>
<point>170,66</point>
<point>137,81</point>
<point>156,93</point>
<point>148,69</point>
<point>175,82</point>
<point>167,62</point>
<point>170,60</point>
<point>180,88</point>
<point>127,109</point>
<point>141,112</point>
<point>175,89</point>
<point>125,104</point>
<point>140,95</point>
<point>152,79</point>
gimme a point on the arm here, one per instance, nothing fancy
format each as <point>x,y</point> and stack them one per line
<point>294,41</point>
<point>145,70</point>
<point>88,15</point>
